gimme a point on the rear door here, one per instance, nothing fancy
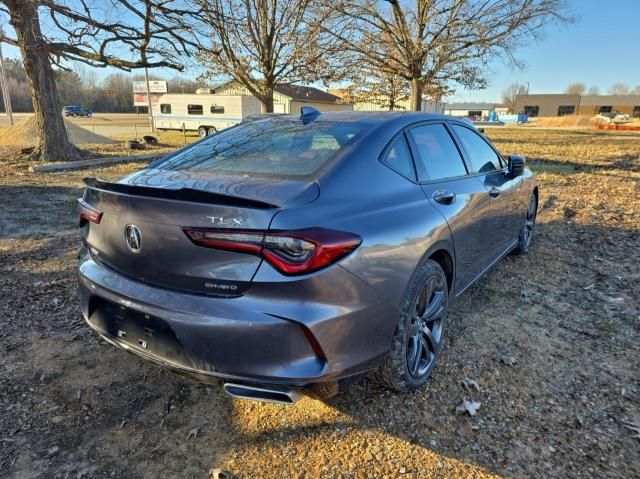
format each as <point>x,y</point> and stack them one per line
<point>492,171</point>
<point>460,198</point>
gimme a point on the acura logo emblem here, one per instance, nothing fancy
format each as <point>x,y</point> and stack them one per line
<point>133,237</point>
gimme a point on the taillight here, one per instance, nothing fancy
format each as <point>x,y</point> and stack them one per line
<point>88,212</point>
<point>291,252</point>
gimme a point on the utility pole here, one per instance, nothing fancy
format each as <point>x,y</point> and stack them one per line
<point>146,80</point>
<point>4,87</point>
<point>527,87</point>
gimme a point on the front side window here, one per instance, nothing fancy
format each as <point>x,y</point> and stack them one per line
<point>398,158</point>
<point>267,147</point>
<point>483,158</point>
<point>218,110</point>
<point>438,157</point>
<point>194,109</point>
<point>165,108</point>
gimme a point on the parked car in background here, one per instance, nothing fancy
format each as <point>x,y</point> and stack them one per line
<point>76,110</point>
<point>293,253</point>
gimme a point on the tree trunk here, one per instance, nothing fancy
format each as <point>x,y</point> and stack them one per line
<point>266,100</point>
<point>52,143</point>
<point>416,94</point>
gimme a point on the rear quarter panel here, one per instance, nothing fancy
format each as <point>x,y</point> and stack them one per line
<point>396,222</point>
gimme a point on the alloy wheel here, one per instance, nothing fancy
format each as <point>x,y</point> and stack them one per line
<point>425,330</point>
<point>529,222</point>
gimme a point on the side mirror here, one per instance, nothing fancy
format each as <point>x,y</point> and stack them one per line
<point>516,165</point>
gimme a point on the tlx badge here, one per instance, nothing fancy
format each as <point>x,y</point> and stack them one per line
<point>222,221</point>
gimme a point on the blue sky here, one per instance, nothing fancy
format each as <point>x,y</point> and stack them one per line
<point>600,49</point>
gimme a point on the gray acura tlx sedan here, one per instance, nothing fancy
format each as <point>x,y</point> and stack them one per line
<point>290,254</point>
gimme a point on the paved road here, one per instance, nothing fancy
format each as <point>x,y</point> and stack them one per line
<point>4,119</point>
<point>106,124</point>
<point>118,130</point>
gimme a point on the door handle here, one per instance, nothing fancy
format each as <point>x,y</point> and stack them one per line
<point>444,197</point>
<point>494,192</point>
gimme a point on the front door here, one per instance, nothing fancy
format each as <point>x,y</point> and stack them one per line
<point>491,171</point>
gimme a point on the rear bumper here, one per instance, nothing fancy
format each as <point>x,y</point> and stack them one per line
<point>257,338</point>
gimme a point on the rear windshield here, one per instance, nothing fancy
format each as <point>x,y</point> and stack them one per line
<point>267,147</point>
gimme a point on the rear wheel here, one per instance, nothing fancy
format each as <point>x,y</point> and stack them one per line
<point>202,131</point>
<point>212,131</point>
<point>418,336</point>
<point>525,238</point>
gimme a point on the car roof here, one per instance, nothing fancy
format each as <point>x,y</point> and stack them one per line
<point>373,118</point>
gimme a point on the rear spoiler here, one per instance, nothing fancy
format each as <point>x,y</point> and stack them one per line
<point>183,194</point>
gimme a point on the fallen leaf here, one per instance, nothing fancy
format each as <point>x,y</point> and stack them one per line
<point>470,383</point>
<point>633,426</point>
<point>508,360</point>
<point>220,474</point>
<point>194,432</point>
<point>468,406</point>
<point>617,300</point>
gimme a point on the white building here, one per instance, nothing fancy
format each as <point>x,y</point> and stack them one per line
<point>290,98</point>
<point>473,110</point>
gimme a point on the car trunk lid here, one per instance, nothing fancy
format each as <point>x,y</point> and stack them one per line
<point>152,208</point>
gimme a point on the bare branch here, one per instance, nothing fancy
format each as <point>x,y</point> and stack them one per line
<point>436,44</point>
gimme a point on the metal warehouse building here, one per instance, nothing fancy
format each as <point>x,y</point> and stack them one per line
<point>565,104</point>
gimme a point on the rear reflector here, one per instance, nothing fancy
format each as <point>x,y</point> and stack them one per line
<point>88,212</point>
<point>290,252</point>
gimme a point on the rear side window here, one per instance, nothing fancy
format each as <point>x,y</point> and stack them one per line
<point>194,109</point>
<point>271,147</point>
<point>438,157</point>
<point>218,110</point>
<point>165,108</point>
<point>483,158</point>
<point>398,158</point>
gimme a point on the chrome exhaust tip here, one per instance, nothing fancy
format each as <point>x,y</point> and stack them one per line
<point>264,394</point>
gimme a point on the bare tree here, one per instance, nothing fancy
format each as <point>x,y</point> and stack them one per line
<point>619,89</point>
<point>510,93</point>
<point>436,42</point>
<point>384,90</point>
<point>636,90</point>
<point>125,34</point>
<point>594,90</point>
<point>263,43</point>
<point>576,88</point>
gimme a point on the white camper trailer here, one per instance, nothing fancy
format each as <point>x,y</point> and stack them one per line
<point>204,113</point>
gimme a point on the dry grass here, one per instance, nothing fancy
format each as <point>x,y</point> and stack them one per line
<point>568,312</point>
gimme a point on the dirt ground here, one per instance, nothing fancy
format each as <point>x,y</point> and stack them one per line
<point>552,340</point>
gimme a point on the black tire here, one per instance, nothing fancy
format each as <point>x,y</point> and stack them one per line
<point>525,238</point>
<point>212,131</point>
<point>417,339</point>
<point>89,115</point>
<point>202,131</point>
